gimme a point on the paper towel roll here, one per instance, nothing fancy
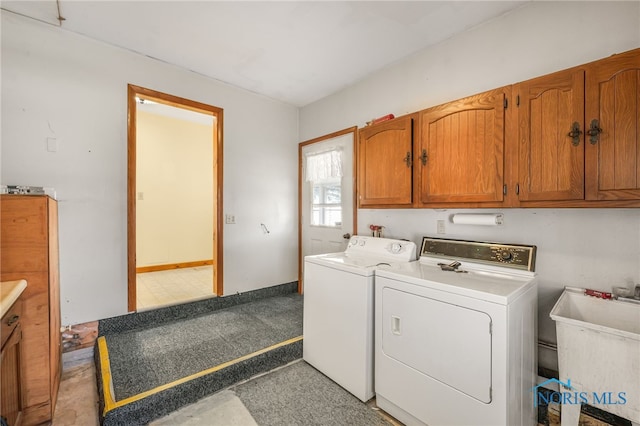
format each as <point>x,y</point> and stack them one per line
<point>478,219</point>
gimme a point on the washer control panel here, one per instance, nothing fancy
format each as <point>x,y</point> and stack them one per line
<point>382,247</point>
<point>511,255</point>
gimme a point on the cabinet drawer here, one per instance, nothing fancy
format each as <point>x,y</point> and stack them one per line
<point>10,320</point>
<point>24,259</point>
<point>24,220</point>
<point>24,235</point>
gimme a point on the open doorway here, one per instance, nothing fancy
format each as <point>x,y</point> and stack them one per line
<point>174,199</point>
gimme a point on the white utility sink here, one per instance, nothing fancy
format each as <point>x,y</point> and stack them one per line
<point>598,352</point>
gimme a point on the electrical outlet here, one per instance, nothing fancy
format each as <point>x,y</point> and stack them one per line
<point>230,219</point>
<point>440,226</point>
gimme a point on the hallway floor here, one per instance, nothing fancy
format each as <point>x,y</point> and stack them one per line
<point>162,288</point>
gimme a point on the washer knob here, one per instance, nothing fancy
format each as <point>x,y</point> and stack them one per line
<point>506,256</point>
<point>396,248</point>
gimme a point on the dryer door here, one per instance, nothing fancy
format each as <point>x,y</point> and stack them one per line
<point>450,343</point>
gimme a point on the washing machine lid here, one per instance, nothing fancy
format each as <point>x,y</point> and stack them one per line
<point>359,264</point>
<point>476,281</point>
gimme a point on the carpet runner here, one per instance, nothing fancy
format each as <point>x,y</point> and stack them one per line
<point>145,372</point>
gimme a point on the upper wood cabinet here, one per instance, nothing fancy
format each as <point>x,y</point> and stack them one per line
<point>613,123</point>
<point>385,163</point>
<point>567,139</point>
<point>578,134</point>
<point>461,150</point>
<point>551,137</point>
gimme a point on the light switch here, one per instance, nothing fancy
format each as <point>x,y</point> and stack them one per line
<point>52,144</point>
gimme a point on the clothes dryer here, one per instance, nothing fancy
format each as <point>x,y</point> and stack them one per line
<point>455,335</point>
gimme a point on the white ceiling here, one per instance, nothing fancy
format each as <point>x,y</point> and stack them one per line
<point>293,51</point>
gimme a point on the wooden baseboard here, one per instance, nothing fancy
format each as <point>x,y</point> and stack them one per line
<point>166,267</point>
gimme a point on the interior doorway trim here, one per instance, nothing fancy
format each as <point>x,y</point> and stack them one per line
<point>132,92</point>
<point>301,145</point>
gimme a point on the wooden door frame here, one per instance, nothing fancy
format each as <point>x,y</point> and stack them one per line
<point>301,145</point>
<point>164,98</point>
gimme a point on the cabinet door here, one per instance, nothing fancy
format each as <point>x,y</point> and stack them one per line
<point>462,150</point>
<point>384,163</point>
<point>613,118</point>
<point>10,381</point>
<point>551,160</point>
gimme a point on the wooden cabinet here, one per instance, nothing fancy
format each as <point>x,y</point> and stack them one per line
<point>567,139</point>
<point>11,394</point>
<point>461,151</point>
<point>29,250</point>
<point>385,166</point>
<point>579,134</point>
<point>551,137</point>
<point>613,121</point>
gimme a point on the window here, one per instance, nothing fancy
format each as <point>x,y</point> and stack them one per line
<point>326,206</point>
<point>324,175</point>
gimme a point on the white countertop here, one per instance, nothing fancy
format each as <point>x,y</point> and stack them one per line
<point>9,293</point>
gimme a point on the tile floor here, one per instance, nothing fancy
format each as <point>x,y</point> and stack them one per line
<point>162,288</point>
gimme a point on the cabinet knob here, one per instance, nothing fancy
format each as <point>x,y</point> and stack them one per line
<point>594,131</point>
<point>407,159</point>
<point>575,133</point>
<point>12,319</point>
<point>423,157</point>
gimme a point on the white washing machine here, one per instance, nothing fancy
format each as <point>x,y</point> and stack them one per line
<point>338,309</point>
<point>456,335</point>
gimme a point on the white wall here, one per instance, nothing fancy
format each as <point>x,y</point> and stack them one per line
<point>58,84</point>
<point>536,39</point>
<point>174,187</point>
<point>596,248</point>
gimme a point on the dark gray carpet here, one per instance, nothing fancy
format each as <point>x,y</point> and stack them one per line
<point>144,359</point>
<point>298,394</point>
<point>155,317</point>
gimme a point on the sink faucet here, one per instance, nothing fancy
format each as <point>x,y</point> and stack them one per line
<point>623,293</point>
